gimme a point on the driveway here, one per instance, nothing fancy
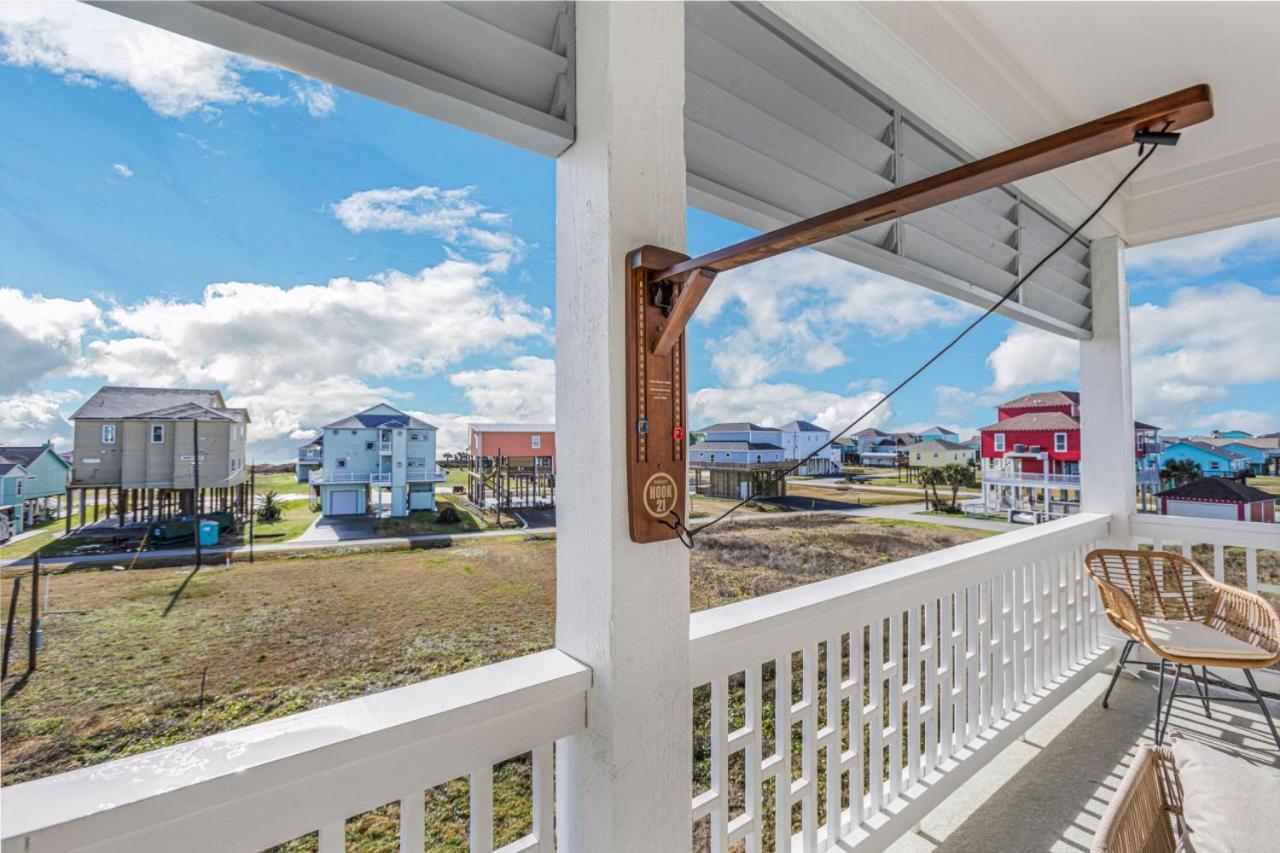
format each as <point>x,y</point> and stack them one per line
<point>337,528</point>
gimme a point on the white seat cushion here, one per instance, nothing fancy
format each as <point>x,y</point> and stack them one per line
<point>1198,640</point>
<point>1229,805</point>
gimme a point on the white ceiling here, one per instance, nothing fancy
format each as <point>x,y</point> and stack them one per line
<point>989,74</point>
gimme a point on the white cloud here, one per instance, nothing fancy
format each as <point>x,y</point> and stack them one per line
<point>452,215</point>
<point>174,75</point>
<point>524,392</point>
<point>301,356</point>
<point>42,336</point>
<point>122,169</point>
<point>777,404</point>
<point>1186,354</point>
<point>1205,253</point>
<point>1030,356</point>
<point>36,417</point>
<point>801,306</point>
<point>318,97</point>
<point>1257,423</point>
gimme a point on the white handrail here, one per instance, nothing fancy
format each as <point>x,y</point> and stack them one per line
<point>264,784</point>
<point>975,642</point>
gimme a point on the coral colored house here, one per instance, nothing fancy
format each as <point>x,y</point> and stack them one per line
<point>531,444</point>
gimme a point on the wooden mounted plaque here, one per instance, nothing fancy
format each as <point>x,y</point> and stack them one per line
<point>657,435</point>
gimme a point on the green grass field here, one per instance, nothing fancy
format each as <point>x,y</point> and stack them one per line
<point>421,522</point>
<point>1267,484</point>
<point>26,547</point>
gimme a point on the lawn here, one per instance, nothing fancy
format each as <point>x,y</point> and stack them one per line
<point>1267,484</point>
<point>421,522</point>
<point>284,484</point>
<point>295,518</point>
<point>853,496</point>
<point>49,531</point>
<point>117,677</point>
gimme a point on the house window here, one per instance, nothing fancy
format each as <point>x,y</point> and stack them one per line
<point>1060,442</point>
<point>999,441</point>
<point>234,466</point>
<point>536,442</point>
<point>108,433</point>
<point>18,487</point>
<point>368,445</point>
<point>342,463</point>
<point>157,433</point>
<point>1213,465</point>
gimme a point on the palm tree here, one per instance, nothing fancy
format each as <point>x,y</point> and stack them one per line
<point>1180,471</point>
<point>958,477</point>
<point>930,479</point>
<point>269,508</point>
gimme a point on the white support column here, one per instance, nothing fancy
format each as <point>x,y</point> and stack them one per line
<point>621,608</point>
<point>1107,477</point>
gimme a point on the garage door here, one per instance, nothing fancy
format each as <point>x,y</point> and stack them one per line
<point>345,502</point>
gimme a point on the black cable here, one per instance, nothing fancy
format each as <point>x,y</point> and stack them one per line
<point>688,535</point>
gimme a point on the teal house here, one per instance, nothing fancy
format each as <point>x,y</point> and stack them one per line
<point>939,433</point>
<point>12,477</point>
<point>38,495</point>
<point>1213,461</point>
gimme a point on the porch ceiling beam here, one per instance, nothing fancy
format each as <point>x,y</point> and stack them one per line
<point>1173,112</point>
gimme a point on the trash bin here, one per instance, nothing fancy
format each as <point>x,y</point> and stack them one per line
<point>208,533</point>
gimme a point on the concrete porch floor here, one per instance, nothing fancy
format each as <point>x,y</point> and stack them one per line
<point>1048,791</point>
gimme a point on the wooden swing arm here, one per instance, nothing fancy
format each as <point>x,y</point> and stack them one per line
<point>1173,112</point>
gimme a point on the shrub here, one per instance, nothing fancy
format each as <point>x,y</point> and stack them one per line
<point>448,515</point>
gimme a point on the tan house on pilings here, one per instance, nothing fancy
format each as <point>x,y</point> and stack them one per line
<point>135,452</point>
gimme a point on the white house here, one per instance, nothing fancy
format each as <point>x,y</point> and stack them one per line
<point>800,438</point>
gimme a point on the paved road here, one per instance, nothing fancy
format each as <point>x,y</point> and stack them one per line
<point>833,482</point>
<point>901,512</point>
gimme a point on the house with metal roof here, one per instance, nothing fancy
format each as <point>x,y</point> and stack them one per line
<point>1214,461</point>
<point>45,484</point>
<point>154,453</point>
<point>378,453</point>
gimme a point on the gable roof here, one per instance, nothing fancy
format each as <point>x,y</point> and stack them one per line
<point>1141,425</point>
<point>869,432</point>
<point>801,426</point>
<point>118,401</point>
<point>512,427</point>
<point>737,426</point>
<point>186,412</point>
<point>1222,489</point>
<point>734,445</point>
<point>1209,448</point>
<point>318,441</point>
<point>1043,398</point>
<point>26,456</point>
<point>1034,421</point>
<point>369,419</point>
<point>939,444</point>
<point>11,468</point>
<point>931,430</point>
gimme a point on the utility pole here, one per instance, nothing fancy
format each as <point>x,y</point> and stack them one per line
<point>253,505</point>
<point>195,494</point>
<point>34,637</point>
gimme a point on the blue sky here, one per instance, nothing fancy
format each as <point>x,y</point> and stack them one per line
<point>172,214</point>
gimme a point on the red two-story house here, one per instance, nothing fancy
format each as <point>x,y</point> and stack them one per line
<point>1031,456</point>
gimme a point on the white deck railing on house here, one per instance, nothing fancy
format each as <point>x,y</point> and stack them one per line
<point>251,788</point>
<point>996,632</point>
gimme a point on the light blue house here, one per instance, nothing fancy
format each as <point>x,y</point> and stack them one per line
<point>12,477</point>
<point>939,433</point>
<point>741,443</point>
<point>1231,433</point>
<point>1213,461</point>
<point>373,453</point>
<point>310,457</point>
<point>45,483</point>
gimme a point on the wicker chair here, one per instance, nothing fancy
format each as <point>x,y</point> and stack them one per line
<point>1185,617</point>
<point>1145,815</point>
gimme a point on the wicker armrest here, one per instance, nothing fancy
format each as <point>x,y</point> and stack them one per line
<point>1144,816</point>
<point>1246,616</point>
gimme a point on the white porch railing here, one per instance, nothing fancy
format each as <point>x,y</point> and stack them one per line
<point>996,632</point>
<point>425,475</point>
<point>992,475</point>
<point>251,788</point>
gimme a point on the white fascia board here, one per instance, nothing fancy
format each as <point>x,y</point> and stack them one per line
<point>256,30</point>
